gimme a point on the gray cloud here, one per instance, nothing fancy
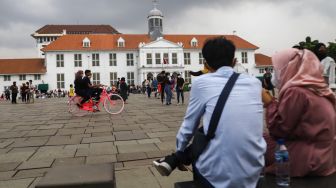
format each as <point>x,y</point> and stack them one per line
<point>271,24</point>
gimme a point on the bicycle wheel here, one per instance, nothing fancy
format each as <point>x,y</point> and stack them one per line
<point>114,104</point>
<point>74,109</point>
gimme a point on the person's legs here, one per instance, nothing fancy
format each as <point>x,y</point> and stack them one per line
<point>182,96</point>
<point>14,95</point>
<point>162,93</point>
<point>86,95</point>
<point>178,159</point>
<point>170,96</point>
<point>178,95</point>
<point>24,96</point>
<point>166,90</point>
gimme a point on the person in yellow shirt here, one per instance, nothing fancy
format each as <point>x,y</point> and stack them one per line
<point>71,91</point>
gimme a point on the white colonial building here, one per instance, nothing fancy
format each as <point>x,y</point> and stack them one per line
<point>111,55</point>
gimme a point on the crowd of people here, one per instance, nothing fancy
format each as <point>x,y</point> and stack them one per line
<point>163,86</point>
<point>238,150</point>
<point>27,91</point>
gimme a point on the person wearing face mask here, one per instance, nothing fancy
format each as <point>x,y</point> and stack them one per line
<point>304,115</point>
<point>327,62</point>
<point>179,89</point>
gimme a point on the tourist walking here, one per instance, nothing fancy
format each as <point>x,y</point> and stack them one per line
<point>15,90</point>
<point>23,91</point>
<point>149,87</point>
<point>7,94</point>
<point>167,89</point>
<point>179,89</point>
<point>160,79</point>
<point>155,87</point>
<point>123,89</point>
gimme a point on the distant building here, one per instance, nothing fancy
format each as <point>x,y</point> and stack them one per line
<point>262,61</point>
<point>49,33</point>
<point>111,55</point>
<point>21,71</point>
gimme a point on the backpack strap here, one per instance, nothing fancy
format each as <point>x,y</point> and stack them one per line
<point>220,105</point>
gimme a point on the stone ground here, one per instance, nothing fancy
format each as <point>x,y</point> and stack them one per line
<point>37,137</point>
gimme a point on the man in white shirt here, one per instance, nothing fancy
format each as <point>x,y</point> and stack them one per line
<point>235,156</point>
<point>328,64</point>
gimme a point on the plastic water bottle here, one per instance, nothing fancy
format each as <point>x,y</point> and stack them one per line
<point>282,164</point>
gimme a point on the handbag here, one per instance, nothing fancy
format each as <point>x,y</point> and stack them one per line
<point>201,141</point>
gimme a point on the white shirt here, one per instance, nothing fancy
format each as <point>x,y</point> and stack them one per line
<point>235,157</point>
<point>328,64</point>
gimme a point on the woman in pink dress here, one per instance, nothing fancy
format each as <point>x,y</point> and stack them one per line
<point>304,115</point>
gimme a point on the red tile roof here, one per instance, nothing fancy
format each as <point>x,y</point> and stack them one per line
<point>263,60</point>
<point>77,29</point>
<point>22,66</point>
<point>104,42</point>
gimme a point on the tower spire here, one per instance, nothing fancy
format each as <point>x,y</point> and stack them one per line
<point>155,3</point>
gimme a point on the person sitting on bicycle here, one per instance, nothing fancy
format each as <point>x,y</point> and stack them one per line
<point>79,88</point>
<point>90,90</point>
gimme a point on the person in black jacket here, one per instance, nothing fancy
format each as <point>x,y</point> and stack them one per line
<point>123,89</point>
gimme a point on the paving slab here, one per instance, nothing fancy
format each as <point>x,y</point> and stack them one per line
<point>18,183</point>
<point>137,148</point>
<point>89,176</point>
<point>131,156</point>
<point>140,177</point>
<point>69,161</point>
<point>31,164</point>
<point>98,139</point>
<point>135,138</point>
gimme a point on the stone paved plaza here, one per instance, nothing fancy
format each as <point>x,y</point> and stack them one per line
<point>37,137</point>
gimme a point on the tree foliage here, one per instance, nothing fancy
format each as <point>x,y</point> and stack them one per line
<point>310,45</point>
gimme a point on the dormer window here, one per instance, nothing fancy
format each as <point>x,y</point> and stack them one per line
<point>194,42</point>
<point>121,43</point>
<point>86,42</point>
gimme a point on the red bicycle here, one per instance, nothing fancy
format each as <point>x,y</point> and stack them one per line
<point>112,103</point>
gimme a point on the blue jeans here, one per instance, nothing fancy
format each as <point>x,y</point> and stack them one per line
<point>169,94</point>
<point>178,93</point>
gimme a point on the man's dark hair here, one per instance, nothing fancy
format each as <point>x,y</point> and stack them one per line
<point>218,52</point>
<point>266,69</point>
<point>87,71</point>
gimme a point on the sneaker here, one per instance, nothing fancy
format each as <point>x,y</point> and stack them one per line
<point>162,167</point>
<point>178,104</point>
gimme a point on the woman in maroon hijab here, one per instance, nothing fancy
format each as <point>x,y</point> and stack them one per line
<point>304,115</point>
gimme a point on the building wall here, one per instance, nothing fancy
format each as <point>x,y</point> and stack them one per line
<point>104,67</point>
<point>140,67</point>
<point>16,78</point>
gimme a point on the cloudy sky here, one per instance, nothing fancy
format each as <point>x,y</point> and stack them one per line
<point>270,24</point>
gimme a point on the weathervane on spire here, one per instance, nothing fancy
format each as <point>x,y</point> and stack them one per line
<point>155,3</point>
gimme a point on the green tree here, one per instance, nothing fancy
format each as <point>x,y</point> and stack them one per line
<point>310,45</point>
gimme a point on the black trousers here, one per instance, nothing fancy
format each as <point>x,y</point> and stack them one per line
<point>162,92</point>
<point>14,95</point>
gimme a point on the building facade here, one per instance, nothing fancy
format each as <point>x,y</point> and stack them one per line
<point>110,55</point>
<point>21,71</point>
